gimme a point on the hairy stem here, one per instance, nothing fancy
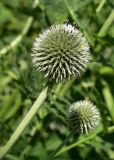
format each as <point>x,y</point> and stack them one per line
<point>26,120</point>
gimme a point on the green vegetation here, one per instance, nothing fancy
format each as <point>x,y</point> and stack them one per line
<point>20,84</point>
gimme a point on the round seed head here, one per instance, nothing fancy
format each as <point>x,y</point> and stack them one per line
<point>61,52</point>
<point>83,116</point>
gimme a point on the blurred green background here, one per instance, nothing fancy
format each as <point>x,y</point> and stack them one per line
<point>20,23</point>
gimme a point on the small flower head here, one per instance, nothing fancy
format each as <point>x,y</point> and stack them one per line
<point>61,52</point>
<point>83,116</point>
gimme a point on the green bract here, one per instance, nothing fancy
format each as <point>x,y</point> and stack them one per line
<point>61,52</point>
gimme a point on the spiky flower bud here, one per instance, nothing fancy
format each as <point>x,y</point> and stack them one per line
<point>83,116</point>
<point>61,52</point>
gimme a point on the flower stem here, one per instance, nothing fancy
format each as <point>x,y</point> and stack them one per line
<point>73,16</point>
<point>77,143</point>
<point>85,139</point>
<point>107,24</point>
<point>66,87</point>
<point>26,120</point>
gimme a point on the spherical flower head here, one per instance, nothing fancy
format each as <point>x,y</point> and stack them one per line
<point>83,116</point>
<point>61,52</point>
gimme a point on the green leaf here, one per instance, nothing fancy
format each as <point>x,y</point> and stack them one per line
<point>11,105</point>
<point>58,10</point>
<point>53,142</point>
<point>5,14</point>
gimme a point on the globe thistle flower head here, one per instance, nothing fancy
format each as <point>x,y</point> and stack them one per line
<point>83,116</point>
<point>61,52</point>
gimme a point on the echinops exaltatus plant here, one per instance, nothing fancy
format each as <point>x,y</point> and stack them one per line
<point>61,52</point>
<point>83,116</point>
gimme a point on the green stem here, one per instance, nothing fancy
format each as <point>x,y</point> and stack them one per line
<point>110,129</point>
<point>100,6</point>
<point>73,16</point>
<point>66,87</point>
<point>85,139</point>
<point>54,153</point>
<point>19,38</point>
<point>26,120</point>
<point>75,19</point>
<point>57,91</point>
<point>75,144</point>
<point>107,24</point>
<point>11,157</point>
